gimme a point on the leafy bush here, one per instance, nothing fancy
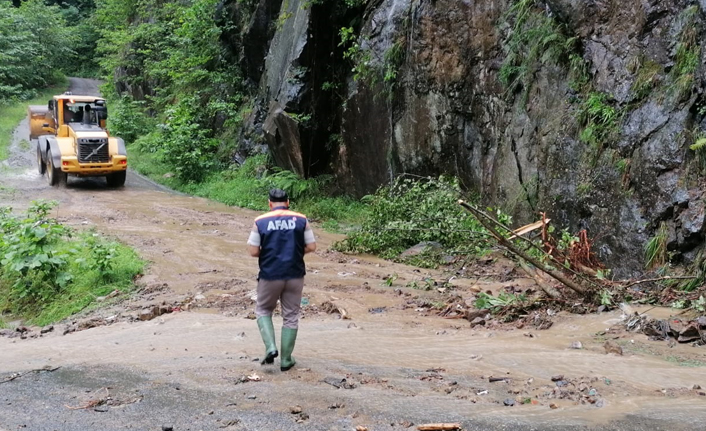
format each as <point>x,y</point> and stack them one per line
<point>128,120</point>
<point>49,272</point>
<point>414,211</point>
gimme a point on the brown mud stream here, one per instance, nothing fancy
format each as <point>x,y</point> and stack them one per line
<point>406,363</point>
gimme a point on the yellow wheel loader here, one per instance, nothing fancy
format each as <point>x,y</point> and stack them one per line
<point>72,140</point>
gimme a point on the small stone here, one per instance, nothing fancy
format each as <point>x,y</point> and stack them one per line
<point>557,377</point>
<point>101,409</point>
<point>167,428</point>
<point>562,383</point>
<point>46,329</point>
<point>553,406</point>
<point>696,387</point>
<point>576,345</point>
<point>509,402</point>
<point>252,397</point>
<point>478,321</point>
<point>600,403</point>
<point>295,409</point>
<point>149,313</point>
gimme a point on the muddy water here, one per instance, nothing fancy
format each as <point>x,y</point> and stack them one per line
<point>195,246</point>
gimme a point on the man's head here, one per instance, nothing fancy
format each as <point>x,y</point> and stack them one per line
<point>278,198</point>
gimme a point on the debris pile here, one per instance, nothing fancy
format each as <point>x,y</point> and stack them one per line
<point>683,331</point>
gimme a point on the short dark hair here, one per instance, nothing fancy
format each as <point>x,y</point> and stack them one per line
<point>278,195</point>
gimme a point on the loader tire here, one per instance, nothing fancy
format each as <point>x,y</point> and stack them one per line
<point>116,180</point>
<point>41,167</point>
<point>54,175</point>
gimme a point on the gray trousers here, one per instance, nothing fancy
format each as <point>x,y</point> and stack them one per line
<point>289,293</point>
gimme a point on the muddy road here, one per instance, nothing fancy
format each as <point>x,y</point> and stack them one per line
<point>393,362</point>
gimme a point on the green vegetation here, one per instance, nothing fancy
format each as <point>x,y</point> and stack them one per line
<point>410,212</point>
<point>656,248</point>
<point>686,60</point>
<point>34,42</point>
<point>699,147</point>
<point>247,185</point>
<point>49,272</point>
<point>13,112</point>
<point>647,78</point>
<point>598,119</point>
<point>684,362</point>
<point>194,90</point>
<point>535,40</point>
<point>495,304</point>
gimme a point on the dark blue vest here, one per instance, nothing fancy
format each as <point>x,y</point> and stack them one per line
<point>281,244</point>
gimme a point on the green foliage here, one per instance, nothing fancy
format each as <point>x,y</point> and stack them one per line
<point>598,119</point>
<point>128,119</point>
<point>194,96</point>
<point>686,60</point>
<point>43,264</point>
<point>606,297</point>
<point>535,40</point>
<point>365,68</point>
<point>699,147</point>
<point>34,44</point>
<point>656,248</point>
<point>495,304</point>
<point>410,212</point>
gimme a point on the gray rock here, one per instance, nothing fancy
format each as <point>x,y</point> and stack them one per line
<point>509,402</point>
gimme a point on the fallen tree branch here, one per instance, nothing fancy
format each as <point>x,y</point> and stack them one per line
<point>516,251</point>
<point>549,290</point>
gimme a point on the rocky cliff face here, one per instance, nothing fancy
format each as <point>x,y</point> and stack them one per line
<point>583,109</point>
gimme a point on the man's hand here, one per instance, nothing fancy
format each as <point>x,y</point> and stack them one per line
<point>310,248</point>
<point>254,250</point>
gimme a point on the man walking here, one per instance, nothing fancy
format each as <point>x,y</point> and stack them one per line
<point>280,239</point>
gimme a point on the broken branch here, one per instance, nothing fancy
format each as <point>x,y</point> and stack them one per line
<point>514,250</point>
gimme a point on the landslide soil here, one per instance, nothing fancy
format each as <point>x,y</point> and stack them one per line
<point>402,364</point>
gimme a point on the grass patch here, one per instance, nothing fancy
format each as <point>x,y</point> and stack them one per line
<point>534,40</point>
<point>246,186</point>
<point>647,77</point>
<point>12,113</point>
<point>50,272</point>
<point>656,248</point>
<point>599,121</point>
<point>686,61</point>
<point>683,362</point>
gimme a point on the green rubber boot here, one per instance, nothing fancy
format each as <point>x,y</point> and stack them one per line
<point>267,332</point>
<point>289,337</point>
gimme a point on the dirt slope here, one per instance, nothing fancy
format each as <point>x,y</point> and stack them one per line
<point>402,363</point>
